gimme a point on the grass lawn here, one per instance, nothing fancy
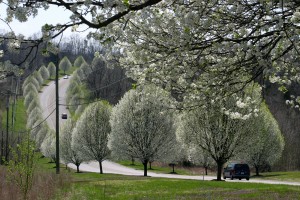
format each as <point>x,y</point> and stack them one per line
<point>94,186</point>
<point>293,176</point>
<point>20,118</point>
<point>110,186</point>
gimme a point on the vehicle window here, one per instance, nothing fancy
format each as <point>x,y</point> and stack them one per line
<point>241,167</point>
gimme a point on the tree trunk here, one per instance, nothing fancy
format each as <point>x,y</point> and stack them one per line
<point>132,161</point>
<point>219,172</point>
<point>205,170</point>
<point>256,170</point>
<point>100,165</point>
<point>145,167</point>
<point>150,167</point>
<point>77,166</point>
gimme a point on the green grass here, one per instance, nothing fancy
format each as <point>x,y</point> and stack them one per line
<point>109,186</point>
<point>293,176</point>
<point>20,118</point>
<point>46,165</point>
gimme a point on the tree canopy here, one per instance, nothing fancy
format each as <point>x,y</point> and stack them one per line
<point>183,45</point>
<point>143,127</point>
<point>90,136</point>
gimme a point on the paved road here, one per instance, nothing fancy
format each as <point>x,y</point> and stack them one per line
<point>47,99</point>
<point>114,168</point>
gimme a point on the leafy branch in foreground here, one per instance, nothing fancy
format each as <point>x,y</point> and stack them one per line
<point>22,166</point>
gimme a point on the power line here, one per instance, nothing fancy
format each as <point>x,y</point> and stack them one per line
<point>40,122</point>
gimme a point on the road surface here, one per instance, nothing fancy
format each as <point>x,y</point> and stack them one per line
<point>47,99</point>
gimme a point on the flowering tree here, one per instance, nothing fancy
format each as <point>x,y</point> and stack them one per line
<point>267,145</point>
<point>65,64</point>
<point>37,75</point>
<point>52,69</point>
<point>219,128</point>
<point>31,79</point>
<point>48,147</point>
<point>44,72</point>
<point>68,153</point>
<point>167,42</point>
<point>30,87</point>
<point>78,61</point>
<point>171,46</point>
<point>200,157</point>
<point>90,137</point>
<point>29,97</point>
<point>142,127</point>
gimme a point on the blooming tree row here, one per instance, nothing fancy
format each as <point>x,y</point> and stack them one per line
<point>144,127</point>
<point>183,46</point>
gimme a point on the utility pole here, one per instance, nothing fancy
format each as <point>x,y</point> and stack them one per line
<point>57,115</point>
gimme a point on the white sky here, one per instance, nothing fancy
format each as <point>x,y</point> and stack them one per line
<point>53,16</point>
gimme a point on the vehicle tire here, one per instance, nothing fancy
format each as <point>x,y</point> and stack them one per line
<point>240,179</point>
<point>231,177</point>
<point>247,179</point>
<point>224,177</point>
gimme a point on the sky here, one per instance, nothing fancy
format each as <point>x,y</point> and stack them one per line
<point>53,15</point>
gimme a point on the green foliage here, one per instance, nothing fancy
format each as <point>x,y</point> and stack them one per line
<point>22,166</point>
<point>126,3</point>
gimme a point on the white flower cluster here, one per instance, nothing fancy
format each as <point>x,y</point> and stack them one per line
<point>274,79</point>
<point>1,53</point>
<point>14,44</point>
<point>294,102</point>
<point>296,17</point>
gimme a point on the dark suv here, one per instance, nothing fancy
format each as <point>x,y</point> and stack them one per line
<point>236,170</point>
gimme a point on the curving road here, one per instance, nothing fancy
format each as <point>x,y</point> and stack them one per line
<point>47,100</point>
